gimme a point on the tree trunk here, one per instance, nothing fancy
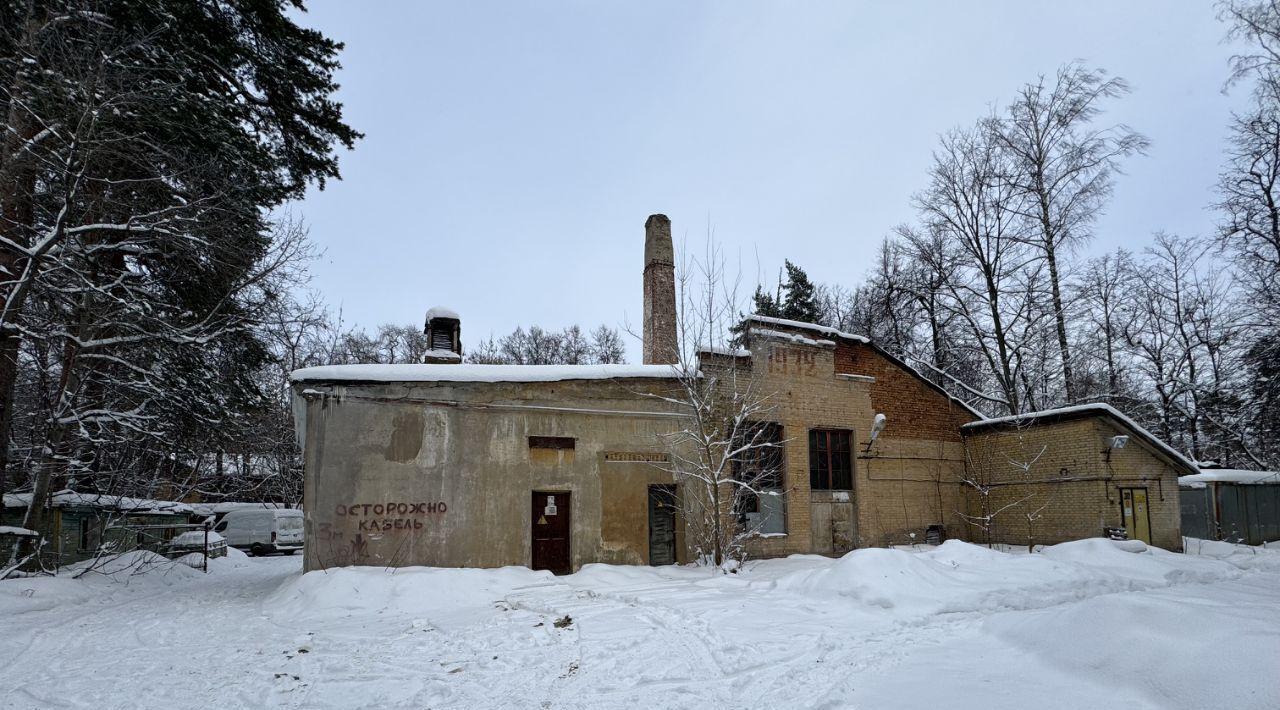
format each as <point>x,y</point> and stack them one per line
<point>17,185</point>
<point>1060,323</point>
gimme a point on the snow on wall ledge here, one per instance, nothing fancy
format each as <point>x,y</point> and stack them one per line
<point>480,373</point>
<point>808,326</point>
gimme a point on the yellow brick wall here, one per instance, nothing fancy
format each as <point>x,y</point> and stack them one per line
<point>1051,482</point>
<point>903,483</point>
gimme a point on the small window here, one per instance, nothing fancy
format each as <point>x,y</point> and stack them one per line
<point>830,462</point>
<point>220,526</point>
<point>551,442</point>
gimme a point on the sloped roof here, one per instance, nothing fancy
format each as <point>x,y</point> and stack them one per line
<point>1082,411</point>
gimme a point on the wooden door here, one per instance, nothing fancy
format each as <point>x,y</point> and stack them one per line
<point>550,523</point>
<point>662,525</point>
<point>820,524</point>
<point>1137,518</point>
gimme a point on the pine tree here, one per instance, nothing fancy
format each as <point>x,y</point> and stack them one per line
<point>764,304</point>
<point>144,144</point>
<point>801,302</point>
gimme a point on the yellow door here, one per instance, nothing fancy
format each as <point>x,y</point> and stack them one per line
<point>1137,520</point>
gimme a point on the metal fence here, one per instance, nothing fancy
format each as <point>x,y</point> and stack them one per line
<point>1233,512</point>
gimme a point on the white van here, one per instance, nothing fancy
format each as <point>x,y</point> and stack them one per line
<point>261,532</point>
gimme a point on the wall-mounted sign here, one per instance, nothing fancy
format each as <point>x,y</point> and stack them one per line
<point>634,457</point>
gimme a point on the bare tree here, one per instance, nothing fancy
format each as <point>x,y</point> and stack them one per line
<point>1257,23</point>
<point>543,347</point>
<point>1250,229</point>
<point>1250,203</point>
<point>1061,166</point>
<point>726,455</point>
<point>969,205</point>
<point>1103,292</point>
<point>607,347</point>
<point>1184,340</point>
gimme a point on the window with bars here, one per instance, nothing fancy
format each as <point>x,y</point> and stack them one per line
<point>830,460</point>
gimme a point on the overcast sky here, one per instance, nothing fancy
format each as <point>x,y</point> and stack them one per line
<point>513,150</point>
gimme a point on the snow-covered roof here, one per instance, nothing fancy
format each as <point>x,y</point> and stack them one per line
<point>795,338</point>
<point>228,506</point>
<point>1229,475</point>
<point>1085,410</point>
<point>442,312</point>
<point>64,499</point>
<point>480,373</point>
<point>724,350</point>
<point>808,326</point>
<point>19,532</point>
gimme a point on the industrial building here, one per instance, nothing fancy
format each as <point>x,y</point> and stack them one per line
<point>553,467</point>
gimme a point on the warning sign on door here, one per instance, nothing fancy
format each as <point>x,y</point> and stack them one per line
<point>551,506</point>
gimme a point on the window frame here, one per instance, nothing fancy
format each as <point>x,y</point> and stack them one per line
<point>824,453</point>
<point>765,465</point>
<point>90,534</point>
<point>770,455</point>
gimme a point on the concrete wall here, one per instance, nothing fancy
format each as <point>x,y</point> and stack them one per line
<point>442,474</point>
<point>1063,474</point>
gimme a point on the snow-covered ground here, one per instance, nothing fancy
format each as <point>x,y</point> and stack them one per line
<point>1091,624</point>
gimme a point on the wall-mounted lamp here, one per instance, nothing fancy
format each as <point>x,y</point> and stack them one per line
<point>1115,442</point>
<point>877,426</point>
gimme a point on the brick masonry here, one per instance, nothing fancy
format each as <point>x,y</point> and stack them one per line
<point>660,344</point>
<point>904,482</point>
<point>1060,481</point>
<point>1053,481</point>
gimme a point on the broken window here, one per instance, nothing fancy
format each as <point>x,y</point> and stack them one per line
<point>830,461</point>
<point>759,468</point>
<point>90,533</point>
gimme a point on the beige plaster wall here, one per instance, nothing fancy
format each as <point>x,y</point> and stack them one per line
<point>442,474</point>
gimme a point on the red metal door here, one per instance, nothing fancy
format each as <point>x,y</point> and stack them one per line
<point>551,532</point>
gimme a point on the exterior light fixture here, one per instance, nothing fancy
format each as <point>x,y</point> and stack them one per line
<point>877,425</point>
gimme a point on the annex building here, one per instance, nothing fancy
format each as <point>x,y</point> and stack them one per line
<point>553,467</point>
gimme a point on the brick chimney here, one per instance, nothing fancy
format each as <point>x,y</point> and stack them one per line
<point>660,344</point>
